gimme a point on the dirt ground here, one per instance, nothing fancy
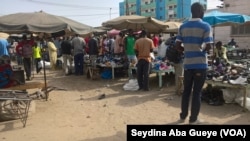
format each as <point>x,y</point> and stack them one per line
<point>78,115</point>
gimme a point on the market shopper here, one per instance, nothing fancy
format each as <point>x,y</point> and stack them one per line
<point>193,34</point>
<point>66,55</point>
<point>176,59</point>
<point>37,55</point>
<point>24,49</point>
<point>232,43</point>
<point>93,50</point>
<point>129,43</point>
<point>143,46</point>
<point>118,49</point>
<point>220,52</point>
<point>52,53</point>
<point>78,44</point>
<point>4,47</point>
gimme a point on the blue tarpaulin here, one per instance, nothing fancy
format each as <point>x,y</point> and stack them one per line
<point>218,18</point>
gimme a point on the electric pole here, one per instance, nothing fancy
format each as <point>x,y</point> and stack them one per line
<point>110,13</point>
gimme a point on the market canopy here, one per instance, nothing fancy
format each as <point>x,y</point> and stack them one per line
<point>40,22</point>
<point>173,26</point>
<point>4,35</point>
<point>218,18</point>
<point>136,23</point>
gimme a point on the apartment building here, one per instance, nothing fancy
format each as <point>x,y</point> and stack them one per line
<point>164,10</point>
<point>167,10</point>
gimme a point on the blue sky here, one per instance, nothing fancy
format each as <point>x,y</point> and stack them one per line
<point>90,12</point>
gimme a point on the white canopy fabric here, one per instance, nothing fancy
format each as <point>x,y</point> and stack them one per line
<point>4,35</point>
<point>173,27</point>
<point>136,23</point>
<point>40,22</point>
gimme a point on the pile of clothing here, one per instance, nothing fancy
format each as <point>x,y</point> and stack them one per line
<point>161,64</point>
<point>110,60</point>
<point>6,72</point>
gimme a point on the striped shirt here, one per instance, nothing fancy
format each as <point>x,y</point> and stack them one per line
<point>193,34</point>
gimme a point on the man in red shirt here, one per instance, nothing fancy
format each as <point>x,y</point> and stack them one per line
<point>24,49</point>
<point>155,40</point>
<point>86,39</point>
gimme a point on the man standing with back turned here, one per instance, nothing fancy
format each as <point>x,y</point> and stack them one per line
<point>143,47</point>
<point>193,34</point>
<point>78,44</point>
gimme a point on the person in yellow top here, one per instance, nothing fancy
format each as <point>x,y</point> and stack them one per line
<point>37,57</point>
<point>220,51</point>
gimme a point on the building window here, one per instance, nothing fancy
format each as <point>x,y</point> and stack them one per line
<point>240,30</point>
<point>146,2</point>
<point>170,7</point>
<point>152,10</point>
<point>132,5</point>
<point>205,6</point>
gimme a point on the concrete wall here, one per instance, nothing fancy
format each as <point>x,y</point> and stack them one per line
<point>224,33</point>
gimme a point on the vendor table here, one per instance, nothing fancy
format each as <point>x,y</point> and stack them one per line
<point>113,67</point>
<point>15,102</point>
<point>236,86</point>
<point>159,74</point>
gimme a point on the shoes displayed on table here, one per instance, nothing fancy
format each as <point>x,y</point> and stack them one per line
<point>239,80</point>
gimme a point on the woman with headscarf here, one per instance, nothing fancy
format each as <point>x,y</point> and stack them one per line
<point>52,53</point>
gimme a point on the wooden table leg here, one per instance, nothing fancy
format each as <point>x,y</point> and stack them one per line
<point>130,73</point>
<point>245,99</point>
<point>160,79</point>
<point>180,83</point>
<point>113,73</point>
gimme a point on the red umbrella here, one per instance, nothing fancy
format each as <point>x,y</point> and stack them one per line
<point>113,32</point>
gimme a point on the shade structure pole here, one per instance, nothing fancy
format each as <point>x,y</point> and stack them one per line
<point>32,59</point>
<point>45,78</point>
<point>213,47</point>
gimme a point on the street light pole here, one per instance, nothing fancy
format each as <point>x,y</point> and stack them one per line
<point>110,13</point>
